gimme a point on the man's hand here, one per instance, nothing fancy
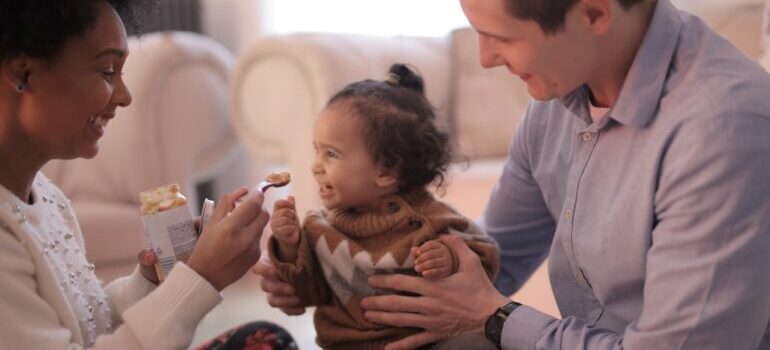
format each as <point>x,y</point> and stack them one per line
<point>279,293</point>
<point>444,308</point>
<point>433,259</point>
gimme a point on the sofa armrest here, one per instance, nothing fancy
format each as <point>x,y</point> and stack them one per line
<point>281,83</point>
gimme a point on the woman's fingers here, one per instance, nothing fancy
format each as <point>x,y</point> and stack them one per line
<point>147,260</point>
<point>293,311</point>
<point>226,204</point>
<point>253,232</point>
<point>249,209</point>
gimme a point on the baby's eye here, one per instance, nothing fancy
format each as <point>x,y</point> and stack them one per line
<point>108,75</point>
<point>331,154</point>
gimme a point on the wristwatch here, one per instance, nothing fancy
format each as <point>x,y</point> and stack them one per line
<point>493,328</point>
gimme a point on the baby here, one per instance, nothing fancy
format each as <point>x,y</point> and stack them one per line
<point>377,152</point>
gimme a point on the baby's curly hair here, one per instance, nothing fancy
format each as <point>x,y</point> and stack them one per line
<point>39,28</point>
<point>399,128</point>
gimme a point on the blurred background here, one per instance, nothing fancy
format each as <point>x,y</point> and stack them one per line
<point>225,92</point>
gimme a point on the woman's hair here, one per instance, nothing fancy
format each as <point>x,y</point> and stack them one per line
<point>39,28</point>
<point>399,128</point>
<point>549,14</point>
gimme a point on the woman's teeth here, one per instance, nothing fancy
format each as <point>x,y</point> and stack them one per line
<point>99,121</point>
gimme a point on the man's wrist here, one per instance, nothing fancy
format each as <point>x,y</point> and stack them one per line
<point>493,327</point>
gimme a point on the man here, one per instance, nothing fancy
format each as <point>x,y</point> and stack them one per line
<point>642,170</point>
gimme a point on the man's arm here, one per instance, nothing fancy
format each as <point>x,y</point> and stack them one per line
<point>516,215</point>
<point>707,277</point>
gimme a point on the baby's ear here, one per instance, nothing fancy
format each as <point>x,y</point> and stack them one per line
<point>386,178</point>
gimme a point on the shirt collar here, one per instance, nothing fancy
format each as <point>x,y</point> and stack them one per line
<point>643,87</point>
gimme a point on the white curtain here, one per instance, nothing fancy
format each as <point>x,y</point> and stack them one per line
<point>372,17</point>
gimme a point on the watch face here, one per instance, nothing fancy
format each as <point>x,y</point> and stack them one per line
<point>493,328</point>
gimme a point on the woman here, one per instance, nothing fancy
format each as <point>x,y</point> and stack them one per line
<point>60,64</point>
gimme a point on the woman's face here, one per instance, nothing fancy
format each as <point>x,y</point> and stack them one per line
<point>69,99</point>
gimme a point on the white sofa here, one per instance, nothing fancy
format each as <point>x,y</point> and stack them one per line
<point>280,83</point>
<point>176,130</point>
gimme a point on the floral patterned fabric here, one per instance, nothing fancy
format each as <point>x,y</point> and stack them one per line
<point>252,336</point>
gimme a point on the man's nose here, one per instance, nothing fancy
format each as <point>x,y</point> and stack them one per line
<point>488,57</point>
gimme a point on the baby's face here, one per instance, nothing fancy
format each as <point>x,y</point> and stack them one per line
<point>346,173</point>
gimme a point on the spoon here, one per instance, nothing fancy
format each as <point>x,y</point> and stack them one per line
<point>274,180</point>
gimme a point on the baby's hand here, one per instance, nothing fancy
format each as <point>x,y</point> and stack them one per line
<point>433,260</point>
<point>285,223</point>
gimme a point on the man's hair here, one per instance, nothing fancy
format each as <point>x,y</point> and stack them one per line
<point>39,28</point>
<point>549,14</point>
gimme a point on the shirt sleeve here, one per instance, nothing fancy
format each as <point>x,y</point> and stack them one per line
<point>29,322</point>
<point>124,292</point>
<point>707,280</point>
<point>516,216</point>
<point>165,319</point>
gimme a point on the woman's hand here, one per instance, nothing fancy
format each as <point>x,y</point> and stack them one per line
<point>433,259</point>
<point>147,260</point>
<point>229,244</point>
<point>443,308</point>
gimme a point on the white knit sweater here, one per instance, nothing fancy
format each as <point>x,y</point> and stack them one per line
<point>50,298</point>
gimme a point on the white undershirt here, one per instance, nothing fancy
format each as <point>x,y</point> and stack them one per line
<point>597,113</point>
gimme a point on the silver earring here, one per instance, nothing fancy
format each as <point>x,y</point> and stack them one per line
<point>21,87</point>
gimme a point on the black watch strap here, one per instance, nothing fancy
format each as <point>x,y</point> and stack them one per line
<point>493,328</point>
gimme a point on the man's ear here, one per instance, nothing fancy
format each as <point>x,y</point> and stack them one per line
<point>596,14</point>
<point>14,71</point>
<point>386,178</point>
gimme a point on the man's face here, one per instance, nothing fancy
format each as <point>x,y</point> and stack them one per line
<point>552,65</point>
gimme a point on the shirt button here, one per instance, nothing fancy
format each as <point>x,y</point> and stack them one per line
<point>568,214</point>
<point>587,136</point>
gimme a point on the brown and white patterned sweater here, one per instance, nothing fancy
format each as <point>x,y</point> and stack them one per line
<point>339,250</point>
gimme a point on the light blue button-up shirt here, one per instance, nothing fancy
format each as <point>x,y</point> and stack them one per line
<point>657,217</point>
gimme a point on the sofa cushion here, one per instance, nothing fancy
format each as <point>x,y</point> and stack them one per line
<point>487,104</point>
<point>736,20</point>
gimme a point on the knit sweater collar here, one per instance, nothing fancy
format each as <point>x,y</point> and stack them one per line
<point>391,212</point>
